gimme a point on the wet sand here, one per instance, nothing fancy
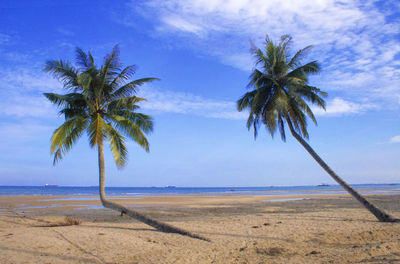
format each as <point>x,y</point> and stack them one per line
<point>242,229</point>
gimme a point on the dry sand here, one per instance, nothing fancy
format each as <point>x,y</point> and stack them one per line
<point>242,229</point>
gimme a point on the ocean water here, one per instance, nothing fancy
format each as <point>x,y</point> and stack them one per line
<point>161,191</point>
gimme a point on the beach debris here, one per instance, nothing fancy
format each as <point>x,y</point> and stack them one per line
<point>255,226</point>
<point>274,251</point>
<point>152,241</point>
<point>313,253</point>
<point>68,221</point>
<point>243,246</point>
<point>248,231</point>
<point>72,221</point>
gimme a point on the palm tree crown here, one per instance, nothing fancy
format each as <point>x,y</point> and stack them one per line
<point>280,90</point>
<point>101,102</point>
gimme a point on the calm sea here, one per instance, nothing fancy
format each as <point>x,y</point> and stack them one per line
<point>157,191</point>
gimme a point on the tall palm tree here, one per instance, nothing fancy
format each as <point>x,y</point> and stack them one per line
<point>280,93</point>
<point>102,102</point>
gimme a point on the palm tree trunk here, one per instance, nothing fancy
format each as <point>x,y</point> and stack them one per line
<point>138,216</point>
<point>379,214</point>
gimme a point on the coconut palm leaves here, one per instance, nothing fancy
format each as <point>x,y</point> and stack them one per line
<point>101,103</point>
<point>280,91</point>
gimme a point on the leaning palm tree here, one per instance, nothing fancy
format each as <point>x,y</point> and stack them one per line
<point>280,93</point>
<point>102,103</point>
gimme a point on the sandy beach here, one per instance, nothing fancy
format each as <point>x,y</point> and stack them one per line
<point>242,229</point>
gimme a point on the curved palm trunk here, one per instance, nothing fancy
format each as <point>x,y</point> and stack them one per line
<point>138,216</point>
<point>380,214</point>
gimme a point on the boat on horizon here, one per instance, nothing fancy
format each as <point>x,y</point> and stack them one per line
<point>323,185</point>
<point>51,185</point>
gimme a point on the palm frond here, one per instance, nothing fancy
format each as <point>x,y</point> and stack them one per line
<point>246,100</point>
<point>117,145</point>
<point>302,71</point>
<point>130,88</point>
<point>96,129</point>
<point>91,60</point>
<point>110,68</point>
<point>258,55</point>
<point>64,72</point>
<point>82,59</point>
<point>71,99</point>
<point>281,126</point>
<point>66,136</point>
<point>124,103</point>
<point>126,74</point>
<point>132,130</point>
<point>144,122</point>
<point>296,59</point>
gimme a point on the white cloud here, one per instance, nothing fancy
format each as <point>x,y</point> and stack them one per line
<point>395,139</point>
<point>65,32</point>
<point>4,38</point>
<point>186,103</point>
<point>339,106</point>
<point>239,60</point>
<point>22,93</point>
<point>355,41</point>
<point>183,25</point>
<point>28,106</point>
<point>23,79</point>
<point>23,131</point>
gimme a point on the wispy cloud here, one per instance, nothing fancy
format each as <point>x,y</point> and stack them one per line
<point>28,106</point>
<point>186,103</point>
<point>22,93</point>
<point>182,25</point>
<point>23,79</point>
<point>339,106</point>
<point>23,131</point>
<point>65,32</point>
<point>4,38</point>
<point>395,139</point>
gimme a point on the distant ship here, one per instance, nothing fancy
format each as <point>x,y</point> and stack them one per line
<point>51,185</point>
<point>170,186</point>
<point>323,185</point>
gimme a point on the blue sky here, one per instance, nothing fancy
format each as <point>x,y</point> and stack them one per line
<point>200,51</point>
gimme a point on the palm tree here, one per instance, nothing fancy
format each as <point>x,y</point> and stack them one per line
<point>102,103</point>
<point>280,93</point>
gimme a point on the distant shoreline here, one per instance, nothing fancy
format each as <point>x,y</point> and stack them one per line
<point>392,188</point>
<point>176,186</point>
